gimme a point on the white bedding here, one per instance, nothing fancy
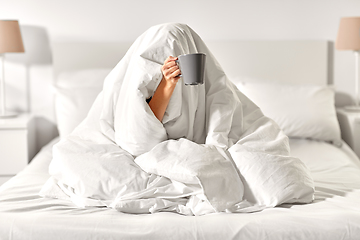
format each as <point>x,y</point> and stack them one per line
<point>334,214</point>
<point>214,150</point>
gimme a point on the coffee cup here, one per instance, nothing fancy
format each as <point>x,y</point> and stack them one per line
<point>192,67</point>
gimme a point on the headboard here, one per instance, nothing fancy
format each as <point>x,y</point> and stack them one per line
<point>298,62</point>
<point>303,62</point>
<point>290,61</point>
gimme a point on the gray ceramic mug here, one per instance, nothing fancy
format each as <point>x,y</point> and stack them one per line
<point>192,67</point>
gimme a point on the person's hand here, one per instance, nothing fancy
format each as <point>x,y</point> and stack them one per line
<point>162,95</point>
<point>170,70</point>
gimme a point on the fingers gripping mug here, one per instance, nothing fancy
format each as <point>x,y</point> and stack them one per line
<point>192,67</point>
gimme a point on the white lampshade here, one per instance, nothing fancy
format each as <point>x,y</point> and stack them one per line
<point>10,37</point>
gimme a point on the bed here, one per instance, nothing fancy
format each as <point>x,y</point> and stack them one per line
<point>298,69</point>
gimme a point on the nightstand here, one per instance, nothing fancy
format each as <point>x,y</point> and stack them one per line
<point>17,144</point>
<point>350,128</point>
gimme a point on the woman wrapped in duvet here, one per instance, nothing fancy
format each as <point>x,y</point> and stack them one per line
<point>209,148</point>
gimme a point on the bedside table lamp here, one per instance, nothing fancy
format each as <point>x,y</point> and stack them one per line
<point>348,38</point>
<point>10,41</point>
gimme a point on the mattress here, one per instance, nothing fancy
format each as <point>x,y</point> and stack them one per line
<point>334,214</point>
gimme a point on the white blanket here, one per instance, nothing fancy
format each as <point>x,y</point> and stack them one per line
<point>214,150</point>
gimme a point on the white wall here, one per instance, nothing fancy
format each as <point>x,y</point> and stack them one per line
<point>114,20</point>
<point>124,20</point>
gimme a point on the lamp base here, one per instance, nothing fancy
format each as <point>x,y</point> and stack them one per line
<point>352,108</point>
<point>9,115</point>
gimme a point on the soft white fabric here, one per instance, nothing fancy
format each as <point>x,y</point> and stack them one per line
<point>283,173</point>
<point>122,157</point>
<point>187,162</point>
<point>75,93</point>
<point>334,213</point>
<point>301,111</point>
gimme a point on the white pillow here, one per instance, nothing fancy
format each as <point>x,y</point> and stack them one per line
<point>271,180</point>
<point>75,93</point>
<point>301,111</point>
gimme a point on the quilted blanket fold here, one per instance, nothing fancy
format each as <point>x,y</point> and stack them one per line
<point>214,151</point>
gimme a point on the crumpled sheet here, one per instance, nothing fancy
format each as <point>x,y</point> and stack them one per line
<point>214,151</point>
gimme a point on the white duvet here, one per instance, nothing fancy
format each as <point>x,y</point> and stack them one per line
<point>214,151</point>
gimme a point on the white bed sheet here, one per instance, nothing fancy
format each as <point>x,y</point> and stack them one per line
<point>335,213</point>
